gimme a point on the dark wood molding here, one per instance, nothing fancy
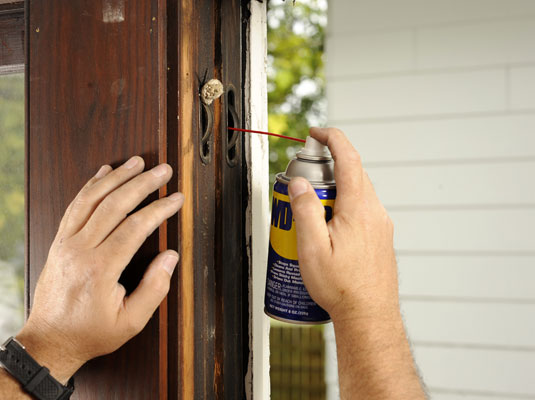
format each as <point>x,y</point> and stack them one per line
<point>207,361</point>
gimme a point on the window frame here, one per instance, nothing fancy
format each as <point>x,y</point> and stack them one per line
<point>12,31</point>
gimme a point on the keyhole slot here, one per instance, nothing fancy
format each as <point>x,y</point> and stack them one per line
<point>232,122</point>
<point>206,122</point>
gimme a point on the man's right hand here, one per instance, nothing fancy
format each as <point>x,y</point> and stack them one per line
<point>348,266</point>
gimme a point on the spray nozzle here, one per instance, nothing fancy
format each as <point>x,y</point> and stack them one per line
<point>314,150</point>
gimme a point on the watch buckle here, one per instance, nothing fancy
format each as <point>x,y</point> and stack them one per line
<point>11,339</point>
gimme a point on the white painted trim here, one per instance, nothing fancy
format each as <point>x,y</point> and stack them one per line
<point>331,363</point>
<point>257,157</point>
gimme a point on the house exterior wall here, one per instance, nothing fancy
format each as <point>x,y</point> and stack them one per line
<point>439,98</point>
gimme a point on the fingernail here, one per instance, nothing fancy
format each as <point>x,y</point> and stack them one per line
<point>176,196</point>
<point>160,170</point>
<point>131,163</point>
<point>297,187</point>
<point>102,172</point>
<point>169,263</point>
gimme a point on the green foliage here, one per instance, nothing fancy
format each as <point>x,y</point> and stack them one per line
<point>12,198</point>
<point>296,81</point>
<point>11,164</point>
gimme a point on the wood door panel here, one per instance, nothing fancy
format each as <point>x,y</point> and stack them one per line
<point>94,97</point>
<point>108,79</point>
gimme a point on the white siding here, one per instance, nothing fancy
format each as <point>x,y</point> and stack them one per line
<point>523,88</point>
<point>444,395</point>
<point>476,44</point>
<point>439,98</point>
<point>483,277</point>
<point>456,184</point>
<point>471,370</point>
<point>376,15</point>
<point>385,52</point>
<point>471,323</point>
<point>492,138</point>
<point>413,94</point>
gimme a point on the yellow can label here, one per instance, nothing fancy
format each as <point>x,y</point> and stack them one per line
<point>283,237</point>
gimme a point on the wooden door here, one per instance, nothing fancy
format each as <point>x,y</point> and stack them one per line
<point>107,79</point>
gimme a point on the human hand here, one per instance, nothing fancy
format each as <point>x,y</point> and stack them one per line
<point>80,310</point>
<point>348,265</point>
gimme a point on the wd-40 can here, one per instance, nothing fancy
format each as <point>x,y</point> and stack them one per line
<point>286,297</point>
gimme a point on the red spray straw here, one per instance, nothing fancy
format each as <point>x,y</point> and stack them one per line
<point>268,133</point>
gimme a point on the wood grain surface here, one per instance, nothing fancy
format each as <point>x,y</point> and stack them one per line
<point>232,263</point>
<point>96,78</point>
<point>112,78</point>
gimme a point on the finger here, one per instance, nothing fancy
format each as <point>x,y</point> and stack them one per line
<point>128,237</point>
<point>309,214</point>
<point>115,207</point>
<point>371,195</point>
<point>74,224</point>
<point>104,182</point>
<point>368,185</point>
<point>348,170</point>
<point>151,291</point>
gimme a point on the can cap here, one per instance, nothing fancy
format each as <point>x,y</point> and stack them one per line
<point>314,150</point>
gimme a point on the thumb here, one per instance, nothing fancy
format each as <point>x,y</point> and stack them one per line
<point>152,289</point>
<point>309,215</point>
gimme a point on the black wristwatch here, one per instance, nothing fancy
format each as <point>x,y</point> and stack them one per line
<point>34,378</point>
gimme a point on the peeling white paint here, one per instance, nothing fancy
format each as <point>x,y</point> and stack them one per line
<point>257,156</point>
<point>112,11</point>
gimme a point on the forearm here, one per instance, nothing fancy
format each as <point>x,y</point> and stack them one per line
<point>10,388</point>
<point>374,359</point>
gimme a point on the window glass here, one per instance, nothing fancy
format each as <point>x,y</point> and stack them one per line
<point>11,204</point>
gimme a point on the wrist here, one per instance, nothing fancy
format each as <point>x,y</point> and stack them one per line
<point>367,307</point>
<point>50,354</point>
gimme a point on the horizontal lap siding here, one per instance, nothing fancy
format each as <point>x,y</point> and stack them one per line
<point>495,372</point>
<point>508,231</point>
<point>467,277</point>
<point>479,324</point>
<point>446,395</point>
<point>374,15</point>
<point>476,44</point>
<point>385,52</point>
<point>522,88</point>
<point>494,138</point>
<point>461,184</point>
<point>439,98</point>
<point>418,95</point>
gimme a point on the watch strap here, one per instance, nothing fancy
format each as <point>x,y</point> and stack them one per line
<point>34,378</point>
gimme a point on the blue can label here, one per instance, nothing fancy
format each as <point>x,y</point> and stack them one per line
<point>286,296</point>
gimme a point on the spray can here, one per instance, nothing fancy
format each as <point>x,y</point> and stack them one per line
<point>286,297</point>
